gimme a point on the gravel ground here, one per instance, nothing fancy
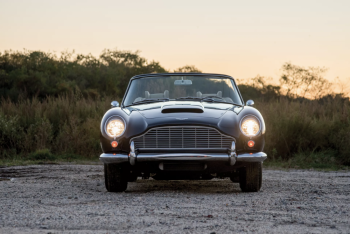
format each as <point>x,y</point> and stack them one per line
<point>73,199</point>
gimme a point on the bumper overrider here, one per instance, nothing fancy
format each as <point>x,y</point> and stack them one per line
<point>230,159</point>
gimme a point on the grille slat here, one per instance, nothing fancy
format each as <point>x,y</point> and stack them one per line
<point>183,137</point>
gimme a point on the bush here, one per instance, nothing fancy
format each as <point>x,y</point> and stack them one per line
<point>69,126</point>
<point>28,74</point>
<point>65,125</point>
<point>53,105</point>
<point>294,127</point>
<point>43,154</point>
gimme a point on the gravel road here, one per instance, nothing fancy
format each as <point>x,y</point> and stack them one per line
<point>73,199</point>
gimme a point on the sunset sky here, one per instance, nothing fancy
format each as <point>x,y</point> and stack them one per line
<point>238,38</point>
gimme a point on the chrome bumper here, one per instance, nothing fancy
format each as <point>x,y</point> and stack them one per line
<point>252,157</point>
<point>122,158</point>
<point>114,158</point>
<point>231,159</point>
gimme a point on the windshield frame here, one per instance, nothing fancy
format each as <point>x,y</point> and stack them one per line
<point>204,75</point>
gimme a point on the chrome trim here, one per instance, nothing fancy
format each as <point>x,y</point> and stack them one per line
<point>252,157</point>
<point>233,154</point>
<point>114,158</point>
<point>114,104</point>
<point>181,149</point>
<point>105,125</point>
<point>182,126</point>
<point>250,103</point>
<point>145,157</point>
<point>152,75</point>
<point>247,116</point>
<point>149,157</point>
<point>132,155</point>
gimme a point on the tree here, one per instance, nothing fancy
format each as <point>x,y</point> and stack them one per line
<point>304,82</point>
<point>188,69</point>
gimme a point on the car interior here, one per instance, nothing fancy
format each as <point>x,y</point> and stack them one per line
<point>165,94</point>
<point>218,94</point>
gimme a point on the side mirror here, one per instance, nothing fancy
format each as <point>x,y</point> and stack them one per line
<point>114,104</point>
<point>250,103</point>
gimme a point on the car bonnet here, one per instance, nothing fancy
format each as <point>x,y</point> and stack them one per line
<point>183,109</point>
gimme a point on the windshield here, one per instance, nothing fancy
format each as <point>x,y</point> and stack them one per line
<point>168,88</point>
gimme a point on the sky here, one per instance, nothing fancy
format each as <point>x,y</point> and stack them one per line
<point>237,38</point>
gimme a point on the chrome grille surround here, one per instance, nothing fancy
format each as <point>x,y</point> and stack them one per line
<point>183,137</point>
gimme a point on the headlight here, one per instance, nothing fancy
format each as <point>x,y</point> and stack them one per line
<point>115,127</point>
<point>250,126</point>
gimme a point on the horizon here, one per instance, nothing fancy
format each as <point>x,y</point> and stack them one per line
<point>240,39</point>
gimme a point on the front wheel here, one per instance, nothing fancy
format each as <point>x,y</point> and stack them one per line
<point>116,178</point>
<point>250,177</point>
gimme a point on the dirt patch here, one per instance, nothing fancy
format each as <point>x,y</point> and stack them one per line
<point>73,199</point>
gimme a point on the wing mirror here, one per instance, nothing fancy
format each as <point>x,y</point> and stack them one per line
<point>250,103</point>
<point>114,104</point>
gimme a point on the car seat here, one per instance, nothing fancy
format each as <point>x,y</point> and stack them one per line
<point>157,95</point>
<point>202,95</point>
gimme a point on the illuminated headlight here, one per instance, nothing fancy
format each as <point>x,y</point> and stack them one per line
<point>115,127</point>
<point>250,126</point>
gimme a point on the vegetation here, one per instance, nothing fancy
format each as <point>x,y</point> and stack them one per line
<point>51,108</point>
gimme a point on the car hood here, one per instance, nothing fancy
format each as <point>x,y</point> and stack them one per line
<point>183,110</point>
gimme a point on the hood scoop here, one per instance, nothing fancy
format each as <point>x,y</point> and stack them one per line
<point>182,109</point>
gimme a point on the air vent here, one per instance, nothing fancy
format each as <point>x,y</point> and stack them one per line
<point>182,109</point>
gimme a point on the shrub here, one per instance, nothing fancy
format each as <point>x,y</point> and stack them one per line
<point>42,154</point>
<point>65,125</point>
<point>53,105</point>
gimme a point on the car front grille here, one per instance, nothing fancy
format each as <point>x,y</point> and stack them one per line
<point>183,137</point>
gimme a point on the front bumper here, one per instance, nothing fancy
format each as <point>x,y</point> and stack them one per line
<point>225,158</point>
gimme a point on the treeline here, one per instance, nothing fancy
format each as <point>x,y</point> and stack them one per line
<point>53,105</point>
<point>28,74</point>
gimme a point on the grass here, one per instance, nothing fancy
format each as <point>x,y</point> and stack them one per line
<point>54,159</point>
<point>323,161</point>
<point>299,134</point>
<point>51,107</point>
<point>44,156</point>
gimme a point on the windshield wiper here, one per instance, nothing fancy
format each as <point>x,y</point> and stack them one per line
<point>149,100</point>
<point>218,100</point>
<point>211,98</point>
<point>206,99</point>
<point>188,98</point>
<point>214,99</point>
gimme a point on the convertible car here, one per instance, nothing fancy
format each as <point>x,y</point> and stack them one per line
<point>182,126</point>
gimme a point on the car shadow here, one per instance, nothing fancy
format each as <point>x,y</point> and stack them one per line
<point>216,186</point>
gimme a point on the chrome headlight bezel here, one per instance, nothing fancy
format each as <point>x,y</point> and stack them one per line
<point>250,117</point>
<point>113,117</point>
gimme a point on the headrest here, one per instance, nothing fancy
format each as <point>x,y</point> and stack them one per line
<point>157,95</point>
<point>200,95</point>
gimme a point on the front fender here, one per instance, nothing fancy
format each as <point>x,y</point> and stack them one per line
<point>230,124</point>
<point>134,119</point>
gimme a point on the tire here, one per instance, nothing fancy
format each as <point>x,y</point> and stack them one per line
<point>116,178</point>
<point>250,177</point>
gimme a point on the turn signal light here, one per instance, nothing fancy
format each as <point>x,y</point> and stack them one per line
<point>251,144</point>
<point>114,144</point>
